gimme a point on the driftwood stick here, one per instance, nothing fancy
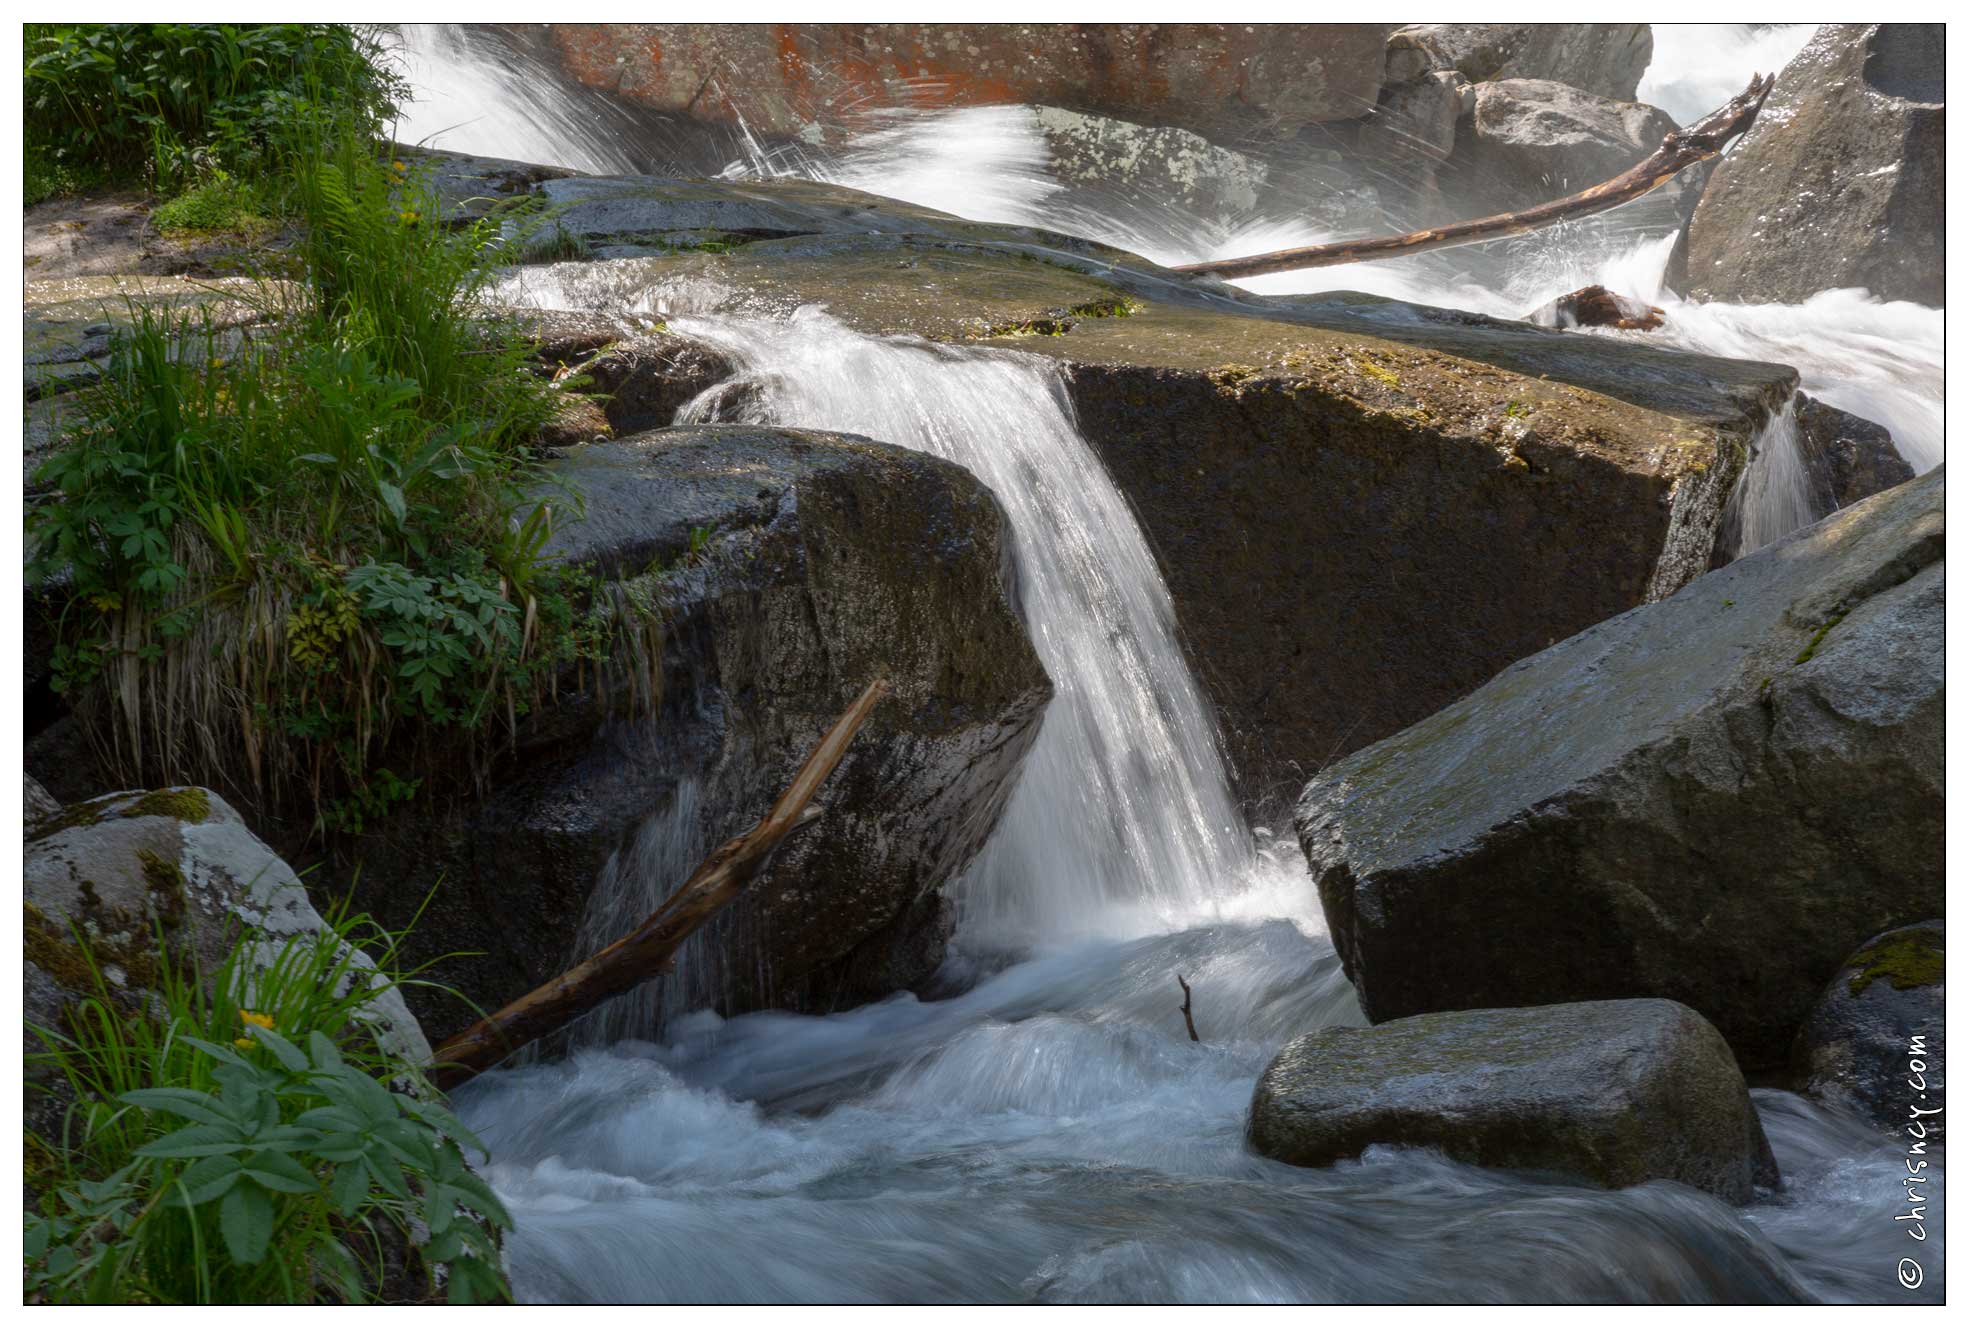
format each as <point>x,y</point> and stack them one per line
<point>1679,151</point>
<point>1185,1009</point>
<point>641,954</point>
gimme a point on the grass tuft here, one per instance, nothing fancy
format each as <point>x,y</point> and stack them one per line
<point>303,552</point>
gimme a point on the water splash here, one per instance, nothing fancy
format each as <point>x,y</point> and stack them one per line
<point>1699,66</point>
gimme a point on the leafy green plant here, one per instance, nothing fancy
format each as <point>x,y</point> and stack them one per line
<point>221,1152</point>
<point>164,103</point>
<point>326,521</point>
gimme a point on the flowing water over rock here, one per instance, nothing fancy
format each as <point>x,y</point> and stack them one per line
<point>1052,1133</point>
<point>1123,803</point>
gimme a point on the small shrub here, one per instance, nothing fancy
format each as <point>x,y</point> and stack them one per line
<point>242,1142</point>
<point>220,203</point>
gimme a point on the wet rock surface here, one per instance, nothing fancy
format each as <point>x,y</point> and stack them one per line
<point>1847,458</point>
<point>1858,1048</point>
<point>1839,183</point>
<point>1597,307</point>
<point>793,568</point>
<point>1711,799</point>
<point>1615,1092</point>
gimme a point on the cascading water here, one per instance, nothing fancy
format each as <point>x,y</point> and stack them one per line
<point>1773,497</point>
<point>1051,1133</point>
<point>1123,801</point>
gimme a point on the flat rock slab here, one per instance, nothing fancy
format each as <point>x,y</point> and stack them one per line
<point>1615,1092</point>
<point>1714,798</point>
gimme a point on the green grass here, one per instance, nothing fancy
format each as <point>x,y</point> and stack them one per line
<point>221,203</point>
<point>240,1140</point>
<point>304,553</point>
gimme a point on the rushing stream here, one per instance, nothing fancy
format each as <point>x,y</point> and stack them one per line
<point>1052,1133</point>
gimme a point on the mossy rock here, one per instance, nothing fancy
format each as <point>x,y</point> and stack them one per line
<point>114,884</point>
<point>1857,1048</point>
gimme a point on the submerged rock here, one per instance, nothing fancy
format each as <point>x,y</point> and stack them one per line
<point>1840,181</point>
<point>1859,1045</point>
<point>1597,307</point>
<point>1614,1092</point>
<point>792,568</point>
<point>1712,799</point>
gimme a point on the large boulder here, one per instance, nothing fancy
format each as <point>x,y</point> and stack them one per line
<point>1873,1041</point>
<point>176,866</point>
<point>791,568</point>
<point>1615,1092</point>
<point>1713,798</point>
<point>1605,59</point>
<point>1840,181</point>
<point>781,80</point>
<point>1532,140</point>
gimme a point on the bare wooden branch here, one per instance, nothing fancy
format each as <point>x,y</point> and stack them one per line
<point>1679,151</point>
<point>641,954</point>
<point>1185,1009</point>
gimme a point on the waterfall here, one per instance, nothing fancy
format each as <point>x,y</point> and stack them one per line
<point>1123,812</point>
<point>1773,496</point>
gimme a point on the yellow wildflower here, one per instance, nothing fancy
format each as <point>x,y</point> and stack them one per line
<point>398,166</point>
<point>246,1043</point>
<point>254,1017</point>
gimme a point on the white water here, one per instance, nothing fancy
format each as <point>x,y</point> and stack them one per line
<point>1699,66</point>
<point>1774,496</point>
<point>468,100</point>
<point>1052,1134</point>
<point>1122,817</point>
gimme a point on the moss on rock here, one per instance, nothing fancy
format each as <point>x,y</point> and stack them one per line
<point>187,804</point>
<point>1906,959</point>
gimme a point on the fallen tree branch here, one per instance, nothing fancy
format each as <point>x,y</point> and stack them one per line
<point>641,954</point>
<point>1185,1009</point>
<point>1679,151</point>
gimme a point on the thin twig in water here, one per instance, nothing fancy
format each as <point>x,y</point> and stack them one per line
<point>1185,1009</point>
